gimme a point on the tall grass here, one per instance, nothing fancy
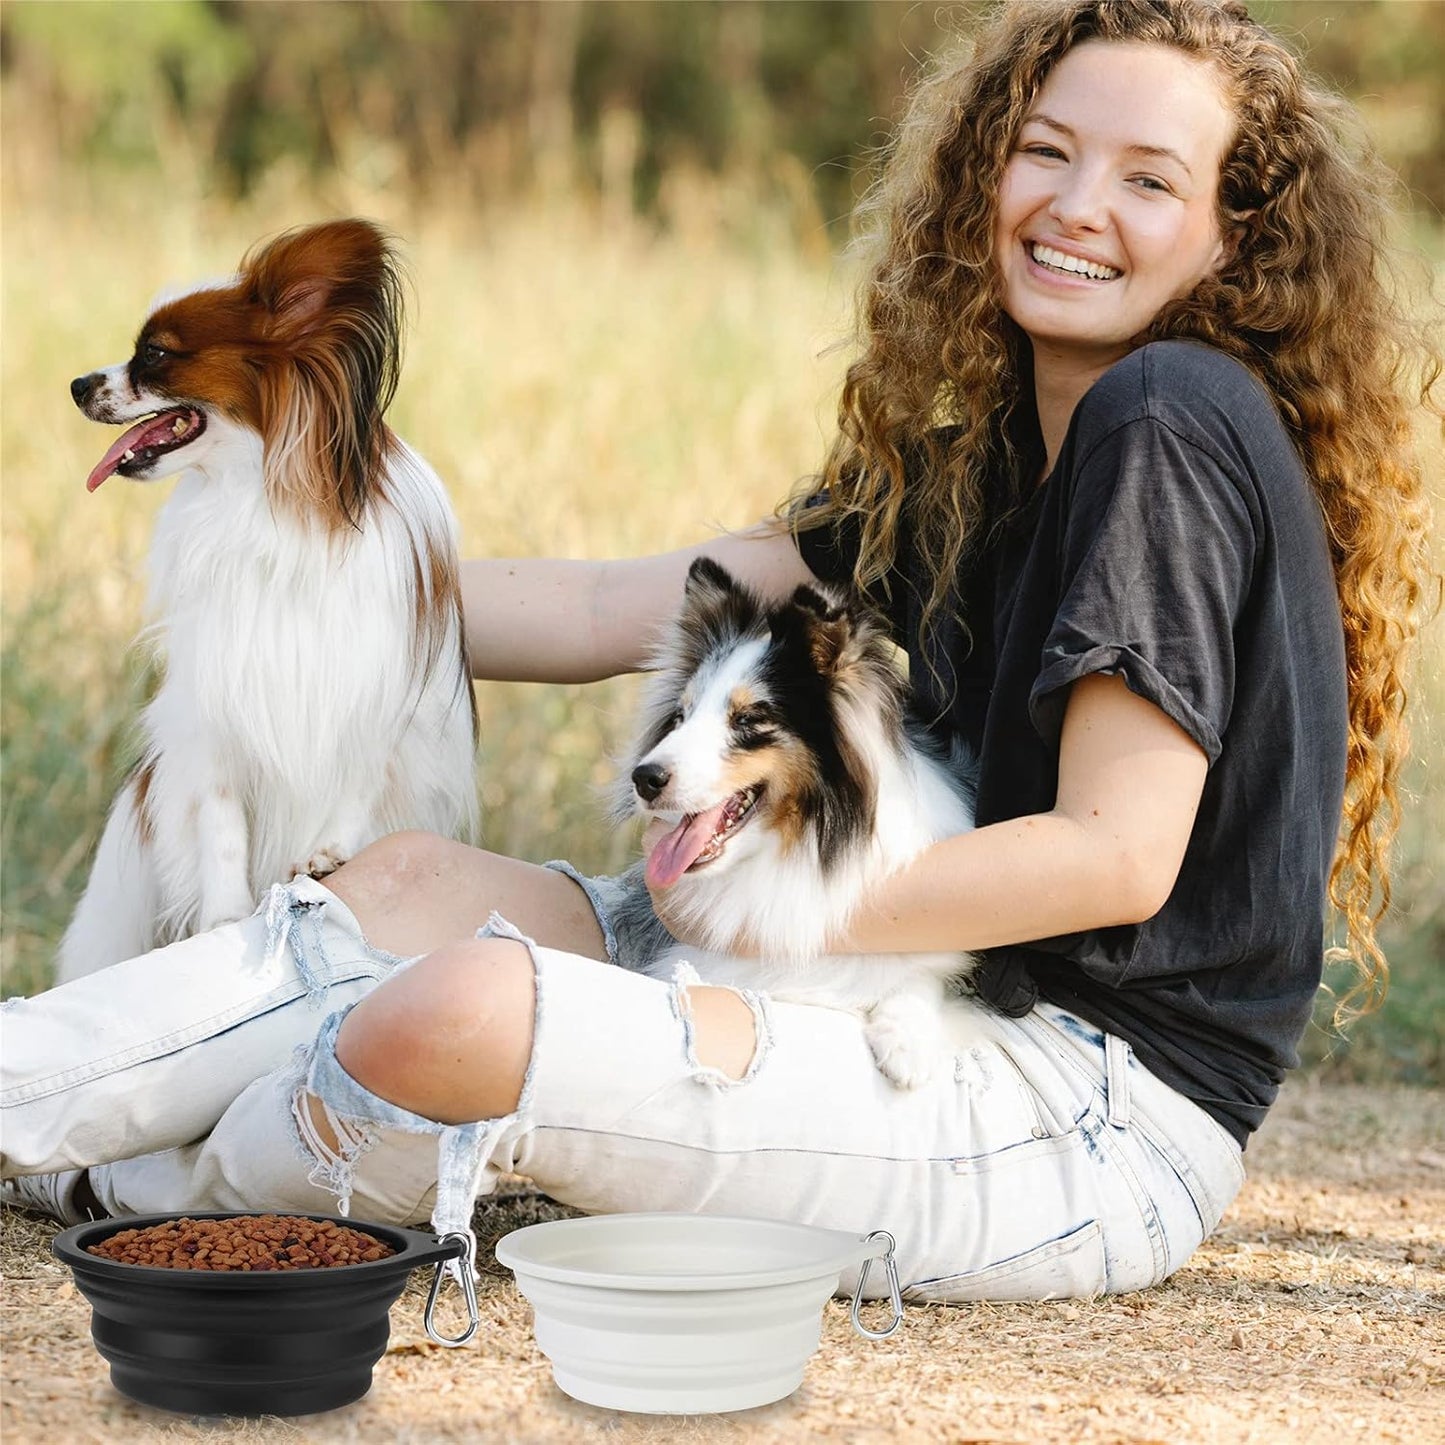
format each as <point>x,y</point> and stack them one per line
<point>586,386</point>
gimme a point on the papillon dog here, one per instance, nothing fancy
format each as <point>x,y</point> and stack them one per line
<point>778,748</point>
<point>303,586</point>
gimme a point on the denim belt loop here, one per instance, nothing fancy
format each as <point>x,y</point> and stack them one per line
<point>1116,1080</point>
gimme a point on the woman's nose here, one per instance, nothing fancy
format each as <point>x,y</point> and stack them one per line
<point>1081,201</point>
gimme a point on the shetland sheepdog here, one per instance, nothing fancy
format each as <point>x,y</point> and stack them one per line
<point>304,595</point>
<point>777,745</point>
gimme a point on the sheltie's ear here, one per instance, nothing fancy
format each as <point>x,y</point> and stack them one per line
<point>825,625</point>
<point>716,608</point>
<point>709,584</point>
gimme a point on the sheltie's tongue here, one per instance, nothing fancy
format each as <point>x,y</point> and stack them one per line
<point>154,431</point>
<point>675,852</point>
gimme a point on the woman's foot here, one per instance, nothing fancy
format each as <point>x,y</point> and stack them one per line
<point>66,1196</point>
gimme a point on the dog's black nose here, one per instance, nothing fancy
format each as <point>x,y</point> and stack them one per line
<point>650,779</point>
<point>82,386</point>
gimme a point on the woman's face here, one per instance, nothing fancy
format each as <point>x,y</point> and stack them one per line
<point>1108,204</point>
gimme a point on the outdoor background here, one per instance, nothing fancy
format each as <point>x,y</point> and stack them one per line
<point>626,227</point>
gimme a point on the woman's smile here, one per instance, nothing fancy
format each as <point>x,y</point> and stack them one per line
<point>1069,265</point>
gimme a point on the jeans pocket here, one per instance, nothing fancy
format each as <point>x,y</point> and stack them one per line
<point>1069,1267</point>
<point>1209,1178</point>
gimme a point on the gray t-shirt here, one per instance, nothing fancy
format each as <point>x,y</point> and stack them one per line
<point>1177,543</point>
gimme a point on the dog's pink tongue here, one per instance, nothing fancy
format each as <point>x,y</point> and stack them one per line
<point>131,440</point>
<point>675,852</point>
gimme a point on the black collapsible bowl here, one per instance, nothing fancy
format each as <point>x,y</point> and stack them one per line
<point>279,1342</point>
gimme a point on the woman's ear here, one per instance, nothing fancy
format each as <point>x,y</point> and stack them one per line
<point>1236,228</point>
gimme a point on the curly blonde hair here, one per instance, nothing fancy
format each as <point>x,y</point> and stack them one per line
<point>1305,301</point>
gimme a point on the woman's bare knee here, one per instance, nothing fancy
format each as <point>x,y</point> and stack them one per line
<point>725,1033</point>
<point>450,1037</point>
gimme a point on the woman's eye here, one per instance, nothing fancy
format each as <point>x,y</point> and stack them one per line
<point>1150,183</point>
<point>1048,152</point>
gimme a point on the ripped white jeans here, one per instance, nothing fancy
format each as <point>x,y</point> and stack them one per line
<point>1045,1162</point>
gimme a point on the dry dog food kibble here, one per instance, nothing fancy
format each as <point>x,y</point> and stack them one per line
<point>246,1242</point>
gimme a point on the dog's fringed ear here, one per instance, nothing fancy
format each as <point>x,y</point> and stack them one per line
<point>715,607</point>
<point>302,305</point>
<point>826,627</point>
<point>709,584</point>
<point>333,295</point>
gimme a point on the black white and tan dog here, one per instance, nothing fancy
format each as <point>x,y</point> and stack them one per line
<point>777,746</point>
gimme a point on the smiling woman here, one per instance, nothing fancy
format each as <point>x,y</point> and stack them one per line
<point>1211,125</point>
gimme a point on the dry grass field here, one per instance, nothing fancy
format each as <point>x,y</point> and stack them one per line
<point>586,385</point>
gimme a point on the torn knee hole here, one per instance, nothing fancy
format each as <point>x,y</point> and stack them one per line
<point>724,1030</point>
<point>330,1137</point>
<point>332,1145</point>
<point>313,1118</point>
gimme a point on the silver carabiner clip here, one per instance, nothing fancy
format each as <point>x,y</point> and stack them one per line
<point>895,1292</point>
<point>469,1291</point>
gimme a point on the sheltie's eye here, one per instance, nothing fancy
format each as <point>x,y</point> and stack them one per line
<point>675,721</point>
<point>756,718</point>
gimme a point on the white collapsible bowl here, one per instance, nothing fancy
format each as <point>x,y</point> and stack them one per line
<point>679,1313</point>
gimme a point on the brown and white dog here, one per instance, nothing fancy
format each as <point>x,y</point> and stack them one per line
<point>303,590</point>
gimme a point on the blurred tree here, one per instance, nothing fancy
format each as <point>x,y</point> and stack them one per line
<point>516,95</point>
<point>107,82</point>
<point>1389,57</point>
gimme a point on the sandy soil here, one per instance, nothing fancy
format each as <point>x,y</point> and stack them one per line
<point>1316,1313</point>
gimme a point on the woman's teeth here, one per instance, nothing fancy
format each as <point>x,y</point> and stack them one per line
<point>1074,265</point>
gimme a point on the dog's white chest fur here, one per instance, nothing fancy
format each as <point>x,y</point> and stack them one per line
<point>288,654</point>
<point>298,718</point>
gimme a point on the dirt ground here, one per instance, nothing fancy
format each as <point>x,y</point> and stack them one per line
<point>1316,1313</point>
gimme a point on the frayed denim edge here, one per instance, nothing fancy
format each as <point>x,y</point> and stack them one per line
<point>684,976</point>
<point>334,1172</point>
<point>463,1150</point>
<point>594,897</point>
<point>497,927</point>
<point>295,921</point>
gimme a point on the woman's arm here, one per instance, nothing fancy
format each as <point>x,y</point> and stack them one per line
<point>1108,852</point>
<point>549,620</point>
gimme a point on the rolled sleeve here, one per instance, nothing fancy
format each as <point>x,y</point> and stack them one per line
<point>1157,551</point>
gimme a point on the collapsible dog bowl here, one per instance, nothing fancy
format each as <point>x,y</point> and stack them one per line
<point>284,1342</point>
<point>685,1314</point>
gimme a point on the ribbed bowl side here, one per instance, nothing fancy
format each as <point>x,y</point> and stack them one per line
<point>201,1349</point>
<point>678,1352</point>
<point>286,1342</point>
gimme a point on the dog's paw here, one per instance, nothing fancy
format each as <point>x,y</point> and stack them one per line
<point>903,1058</point>
<point>319,864</point>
